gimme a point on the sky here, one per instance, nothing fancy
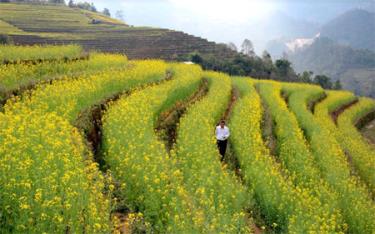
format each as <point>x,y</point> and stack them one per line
<point>227,20</point>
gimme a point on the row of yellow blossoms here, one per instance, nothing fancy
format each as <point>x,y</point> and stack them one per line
<point>287,207</point>
<point>361,152</point>
<point>149,181</point>
<point>68,97</point>
<point>354,200</point>
<point>36,131</point>
<point>219,195</point>
<point>19,53</point>
<point>16,76</point>
<point>294,154</point>
<point>48,182</point>
<point>159,184</point>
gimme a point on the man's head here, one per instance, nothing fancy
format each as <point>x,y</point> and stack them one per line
<point>222,123</point>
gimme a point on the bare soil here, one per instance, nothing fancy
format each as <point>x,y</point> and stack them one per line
<point>90,122</point>
<point>311,105</point>
<point>335,114</point>
<point>124,227</point>
<point>366,126</point>
<point>166,126</point>
<point>232,161</point>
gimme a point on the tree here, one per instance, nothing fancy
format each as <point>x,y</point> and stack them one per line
<point>5,39</point>
<point>337,85</point>
<point>57,1</point>
<point>267,59</point>
<point>83,5</point>
<point>196,58</point>
<point>266,56</point>
<point>306,77</point>
<point>324,81</point>
<point>119,15</point>
<point>247,48</point>
<point>283,66</point>
<point>92,7</point>
<point>71,3</point>
<point>232,46</point>
<point>106,12</point>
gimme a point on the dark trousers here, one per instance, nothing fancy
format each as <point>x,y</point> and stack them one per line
<point>222,145</point>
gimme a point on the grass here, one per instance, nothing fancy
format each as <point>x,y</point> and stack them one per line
<point>8,28</point>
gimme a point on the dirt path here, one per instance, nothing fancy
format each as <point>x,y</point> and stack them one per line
<point>335,114</point>
<point>311,106</point>
<point>166,126</point>
<point>366,126</point>
<point>230,159</point>
<point>268,130</point>
<point>90,122</point>
<point>233,164</point>
<point>124,226</point>
<point>234,97</point>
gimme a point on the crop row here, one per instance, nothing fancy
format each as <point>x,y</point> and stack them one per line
<point>219,195</point>
<point>42,153</point>
<point>10,53</point>
<point>285,206</point>
<point>362,154</point>
<point>353,199</point>
<point>48,181</point>
<point>16,76</point>
<point>294,153</point>
<point>84,92</point>
<point>149,181</point>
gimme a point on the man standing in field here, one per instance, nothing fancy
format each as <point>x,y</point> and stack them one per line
<point>222,134</point>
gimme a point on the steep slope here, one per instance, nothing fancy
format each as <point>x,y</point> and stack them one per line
<point>355,68</point>
<point>56,24</point>
<point>355,28</point>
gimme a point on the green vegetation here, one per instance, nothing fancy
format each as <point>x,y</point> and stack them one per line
<point>294,154</point>
<point>47,185</point>
<point>218,193</point>
<point>150,181</point>
<point>16,77</point>
<point>285,207</point>
<point>318,180</point>
<point>16,54</point>
<point>330,158</point>
<point>362,153</point>
<point>243,65</point>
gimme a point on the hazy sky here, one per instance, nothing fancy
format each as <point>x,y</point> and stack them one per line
<point>224,20</point>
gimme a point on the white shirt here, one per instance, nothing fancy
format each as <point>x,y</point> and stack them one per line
<point>222,133</point>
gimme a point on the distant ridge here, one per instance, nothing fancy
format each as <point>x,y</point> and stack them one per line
<point>355,28</point>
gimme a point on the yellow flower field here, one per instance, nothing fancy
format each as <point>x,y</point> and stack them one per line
<point>53,179</point>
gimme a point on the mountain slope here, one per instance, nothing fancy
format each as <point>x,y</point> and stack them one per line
<point>56,24</point>
<point>355,28</point>
<point>354,68</point>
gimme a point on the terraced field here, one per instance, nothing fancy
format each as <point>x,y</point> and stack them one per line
<point>104,144</point>
<point>29,24</point>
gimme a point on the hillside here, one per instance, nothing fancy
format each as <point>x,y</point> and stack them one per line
<point>354,68</point>
<point>52,24</point>
<point>355,28</point>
